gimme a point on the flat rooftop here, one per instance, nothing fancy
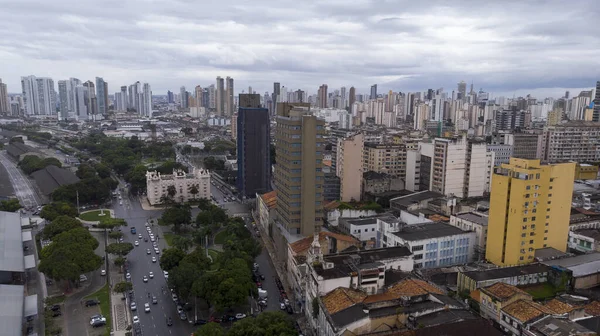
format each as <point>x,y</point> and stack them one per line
<point>11,242</point>
<point>507,272</point>
<point>408,200</point>
<point>12,299</point>
<point>474,217</point>
<point>428,231</point>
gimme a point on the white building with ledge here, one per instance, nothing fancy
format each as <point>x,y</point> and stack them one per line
<point>157,185</point>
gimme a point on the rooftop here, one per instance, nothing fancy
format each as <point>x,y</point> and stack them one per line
<point>413,287</point>
<point>548,253</point>
<point>52,177</point>
<point>465,327</point>
<point>445,316</point>
<point>414,198</point>
<point>580,265</point>
<point>525,310</point>
<point>428,231</point>
<point>11,243</point>
<point>551,326</point>
<point>342,298</point>
<point>303,244</point>
<point>591,233</point>
<point>270,199</point>
<point>558,307</point>
<point>474,217</point>
<point>12,300</point>
<point>502,291</point>
<point>507,272</point>
<point>592,308</point>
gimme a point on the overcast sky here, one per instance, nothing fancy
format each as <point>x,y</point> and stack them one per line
<point>505,47</point>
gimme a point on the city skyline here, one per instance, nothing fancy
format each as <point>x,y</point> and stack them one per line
<point>395,45</point>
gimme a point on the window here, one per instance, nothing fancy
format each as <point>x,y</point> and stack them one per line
<point>523,235</point>
<point>525,220</point>
<point>533,218</point>
<point>549,195</point>
<point>528,188</point>
<point>417,248</point>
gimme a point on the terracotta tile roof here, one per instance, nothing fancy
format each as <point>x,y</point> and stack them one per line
<point>476,295</point>
<point>380,297</point>
<point>303,244</point>
<point>413,287</point>
<point>592,308</point>
<point>331,205</point>
<point>270,199</point>
<point>525,310</point>
<point>502,291</point>
<point>342,298</point>
<point>558,307</point>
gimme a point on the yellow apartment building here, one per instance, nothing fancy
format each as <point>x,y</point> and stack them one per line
<point>530,205</point>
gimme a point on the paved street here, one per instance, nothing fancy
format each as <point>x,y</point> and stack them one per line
<point>23,187</point>
<point>154,322</point>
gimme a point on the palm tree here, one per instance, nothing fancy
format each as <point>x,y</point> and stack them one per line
<point>194,190</point>
<point>171,191</point>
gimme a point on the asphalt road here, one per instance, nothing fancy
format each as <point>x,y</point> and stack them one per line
<point>23,188</point>
<point>154,322</point>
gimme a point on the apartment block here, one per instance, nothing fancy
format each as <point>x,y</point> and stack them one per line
<point>530,208</point>
<point>510,119</point>
<point>349,167</point>
<point>476,222</point>
<point>299,173</point>
<point>577,141</point>
<point>385,158</point>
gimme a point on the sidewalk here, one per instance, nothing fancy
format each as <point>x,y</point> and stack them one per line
<point>119,311</point>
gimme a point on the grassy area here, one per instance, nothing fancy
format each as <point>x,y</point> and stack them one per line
<point>221,237</point>
<point>541,291</point>
<point>103,295</point>
<point>169,238</point>
<point>214,254</point>
<point>94,215</point>
<point>52,300</point>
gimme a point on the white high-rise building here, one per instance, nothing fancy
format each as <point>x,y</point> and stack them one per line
<point>147,101</point>
<point>63,96</point>
<point>211,96</point>
<point>80,95</point>
<point>39,95</point>
<point>4,101</point>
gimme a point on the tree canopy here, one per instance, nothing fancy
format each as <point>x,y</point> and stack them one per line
<point>119,249</point>
<point>55,209</point>
<point>123,287</point>
<point>265,324</point>
<point>210,329</point>
<point>176,215</point>
<point>10,205</point>
<point>59,225</point>
<point>32,163</point>
<point>171,258</point>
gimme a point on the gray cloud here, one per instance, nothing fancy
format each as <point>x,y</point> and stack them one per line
<point>404,45</point>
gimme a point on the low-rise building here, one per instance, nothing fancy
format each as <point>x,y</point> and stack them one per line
<point>265,207</point>
<point>584,269</point>
<point>377,183</point>
<point>518,315</point>
<point>433,244</point>
<point>364,229</point>
<point>552,326</point>
<point>586,240</point>
<point>497,296</point>
<point>181,186</point>
<point>531,274</point>
<point>476,222</point>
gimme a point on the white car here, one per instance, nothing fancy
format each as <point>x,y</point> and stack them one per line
<point>166,274</point>
<point>136,319</point>
<point>152,239</point>
<point>147,307</point>
<point>156,250</point>
<point>151,275</point>
<point>133,306</point>
<point>128,275</point>
<point>120,202</point>
<point>145,279</point>
<point>103,272</point>
<point>148,251</point>
<point>240,316</point>
<point>153,259</point>
<point>136,243</point>
<point>174,297</point>
<point>140,236</point>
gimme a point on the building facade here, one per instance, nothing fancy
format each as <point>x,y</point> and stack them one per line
<point>4,101</point>
<point>299,173</point>
<point>530,208</point>
<point>349,167</point>
<point>385,158</point>
<point>186,186</point>
<point>572,141</point>
<point>476,222</point>
<point>253,147</point>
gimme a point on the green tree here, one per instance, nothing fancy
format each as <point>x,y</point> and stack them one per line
<point>204,204</point>
<point>265,324</point>
<point>169,166</point>
<point>59,225</point>
<point>79,235</point>
<point>210,329</point>
<point>194,190</point>
<point>112,223</point>
<point>136,178</point>
<point>119,261</point>
<point>11,205</point>
<point>102,170</point>
<point>67,256</point>
<point>171,191</point>
<point>55,209</point>
<point>120,249</point>
<point>171,258</point>
<point>182,243</point>
<point>123,287</point>
<point>116,235</point>
<point>85,171</point>
<point>176,215</point>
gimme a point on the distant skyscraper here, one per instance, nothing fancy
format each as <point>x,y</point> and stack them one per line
<point>199,96</point>
<point>229,105</point>
<point>220,96</point>
<point>351,96</point>
<point>4,101</point>
<point>253,146</point>
<point>212,96</point>
<point>146,101</point>
<point>596,111</point>
<point>39,95</point>
<point>80,94</point>
<point>170,97</point>
<point>124,99</point>
<point>183,101</point>
<point>63,96</point>
<point>91,99</point>
<point>275,97</point>
<point>373,91</point>
<point>72,96</point>
<point>343,95</point>
<point>462,90</point>
<point>322,96</point>
<point>101,96</point>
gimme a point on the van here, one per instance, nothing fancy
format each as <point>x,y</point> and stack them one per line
<point>82,278</point>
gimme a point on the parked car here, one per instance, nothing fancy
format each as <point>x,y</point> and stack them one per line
<point>92,302</point>
<point>182,316</point>
<point>147,307</point>
<point>136,319</point>
<point>82,278</point>
<point>133,306</point>
<point>54,307</point>
<point>200,322</point>
<point>169,321</point>
<point>240,316</point>
<point>56,313</point>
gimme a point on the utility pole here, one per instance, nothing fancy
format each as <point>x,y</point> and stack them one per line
<point>77,191</point>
